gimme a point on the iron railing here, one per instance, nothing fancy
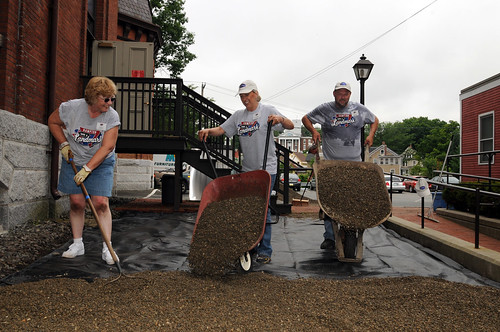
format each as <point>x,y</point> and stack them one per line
<point>479,193</point>
<point>165,107</point>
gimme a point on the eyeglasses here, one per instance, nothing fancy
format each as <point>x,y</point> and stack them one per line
<point>106,100</point>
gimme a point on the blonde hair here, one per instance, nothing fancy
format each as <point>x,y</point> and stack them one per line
<point>99,86</point>
<point>259,98</point>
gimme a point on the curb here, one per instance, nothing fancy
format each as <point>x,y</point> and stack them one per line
<point>482,261</point>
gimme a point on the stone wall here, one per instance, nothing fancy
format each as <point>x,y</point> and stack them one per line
<point>25,173</point>
<point>24,170</point>
<point>133,174</point>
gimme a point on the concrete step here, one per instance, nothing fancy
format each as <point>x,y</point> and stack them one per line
<point>487,226</point>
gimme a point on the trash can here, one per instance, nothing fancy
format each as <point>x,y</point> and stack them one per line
<point>167,189</point>
<point>439,202</point>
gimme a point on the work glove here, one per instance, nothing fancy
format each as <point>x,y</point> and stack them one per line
<point>65,150</point>
<point>82,175</point>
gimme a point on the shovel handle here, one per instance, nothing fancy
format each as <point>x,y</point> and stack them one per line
<point>94,212</point>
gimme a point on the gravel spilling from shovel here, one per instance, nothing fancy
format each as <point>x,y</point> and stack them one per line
<point>225,231</point>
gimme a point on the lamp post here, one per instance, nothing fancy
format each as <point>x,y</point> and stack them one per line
<point>362,70</point>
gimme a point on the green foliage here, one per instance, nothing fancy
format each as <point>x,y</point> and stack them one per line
<point>303,177</point>
<point>430,138</point>
<point>418,170</point>
<point>466,201</point>
<point>429,165</point>
<point>170,17</point>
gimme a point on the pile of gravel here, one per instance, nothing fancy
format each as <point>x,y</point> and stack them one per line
<point>181,301</point>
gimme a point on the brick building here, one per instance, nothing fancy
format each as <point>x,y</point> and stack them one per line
<point>45,48</point>
<point>480,127</point>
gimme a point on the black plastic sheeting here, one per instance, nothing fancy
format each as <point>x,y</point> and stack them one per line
<point>160,242</point>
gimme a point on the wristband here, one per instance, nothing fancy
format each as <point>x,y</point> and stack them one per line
<point>63,144</point>
<point>87,168</point>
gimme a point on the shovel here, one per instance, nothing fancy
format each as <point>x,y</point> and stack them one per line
<point>91,205</point>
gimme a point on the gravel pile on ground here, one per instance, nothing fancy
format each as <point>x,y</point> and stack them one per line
<point>25,244</point>
<point>183,301</point>
<point>180,301</point>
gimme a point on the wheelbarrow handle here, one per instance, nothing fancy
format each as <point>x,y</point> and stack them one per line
<point>266,148</point>
<point>210,158</point>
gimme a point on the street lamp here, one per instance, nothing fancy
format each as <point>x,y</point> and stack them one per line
<point>362,70</point>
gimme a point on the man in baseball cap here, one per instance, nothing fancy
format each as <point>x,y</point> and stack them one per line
<point>342,122</point>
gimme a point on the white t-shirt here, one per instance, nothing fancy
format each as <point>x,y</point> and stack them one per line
<point>84,133</point>
<point>251,127</point>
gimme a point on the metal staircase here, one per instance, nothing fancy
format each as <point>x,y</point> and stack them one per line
<point>163,116</point>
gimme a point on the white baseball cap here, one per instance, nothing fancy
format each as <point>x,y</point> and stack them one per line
<point>342,85</point>
<point>422,187</point>
<point>247,86</point>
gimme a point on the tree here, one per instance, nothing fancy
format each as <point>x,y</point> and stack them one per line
<point>170,17</point>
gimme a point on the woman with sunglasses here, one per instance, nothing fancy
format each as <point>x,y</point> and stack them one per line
<point>88,128</point>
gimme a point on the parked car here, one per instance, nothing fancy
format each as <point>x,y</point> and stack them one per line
<point>397,183</point>
<point>444,179</point>
<point>293,181</point>
<point>410,183</point>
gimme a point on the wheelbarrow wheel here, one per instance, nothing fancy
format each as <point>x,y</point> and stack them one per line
<point>350,243</point>
<point>245,262</point>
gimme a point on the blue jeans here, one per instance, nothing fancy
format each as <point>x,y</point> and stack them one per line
<point>328,234</point>
<point>264,248</point>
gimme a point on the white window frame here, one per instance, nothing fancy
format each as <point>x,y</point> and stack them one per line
<point>483,159</point>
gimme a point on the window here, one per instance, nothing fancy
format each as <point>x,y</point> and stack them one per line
<point>486,131</point>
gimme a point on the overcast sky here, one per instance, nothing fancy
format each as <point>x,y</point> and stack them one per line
<point>296,50</point>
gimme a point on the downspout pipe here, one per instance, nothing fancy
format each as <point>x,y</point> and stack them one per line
<point>54,157</point>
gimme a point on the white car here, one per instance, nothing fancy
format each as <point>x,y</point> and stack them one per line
<point>448,179</point>
<point>397,183</point>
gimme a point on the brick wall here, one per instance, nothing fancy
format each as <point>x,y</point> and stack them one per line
<point>472,107</point>
<point>107,20</point>
<point>24,64</point>
<point>25,55</point>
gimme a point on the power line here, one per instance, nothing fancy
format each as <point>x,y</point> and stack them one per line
<point>334,64</point>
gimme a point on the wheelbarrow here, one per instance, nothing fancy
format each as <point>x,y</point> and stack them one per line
<point>249,185</point>
<point>354,195</point>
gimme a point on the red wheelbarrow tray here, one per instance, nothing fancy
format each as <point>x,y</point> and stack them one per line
<point>248,184</point>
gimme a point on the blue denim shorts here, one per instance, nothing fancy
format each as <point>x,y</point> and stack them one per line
<point>98,183</point>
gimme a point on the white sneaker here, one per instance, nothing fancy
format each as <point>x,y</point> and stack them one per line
<point>106,256</point>
<point>76,249</point>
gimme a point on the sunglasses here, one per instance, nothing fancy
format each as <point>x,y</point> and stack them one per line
<point>106,100</point>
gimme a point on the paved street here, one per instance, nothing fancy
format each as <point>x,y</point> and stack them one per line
<point>404,199</point>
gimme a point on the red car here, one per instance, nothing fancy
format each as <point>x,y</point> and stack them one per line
<point>410,183</point>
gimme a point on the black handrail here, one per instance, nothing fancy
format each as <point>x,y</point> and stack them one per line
<point>165,107</point>
<point>477,191</point>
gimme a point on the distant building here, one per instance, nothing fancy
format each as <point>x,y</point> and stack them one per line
<point>290,139</point>
<point>293,139</point>
<point>387,159</point>
<point>409,160</point>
